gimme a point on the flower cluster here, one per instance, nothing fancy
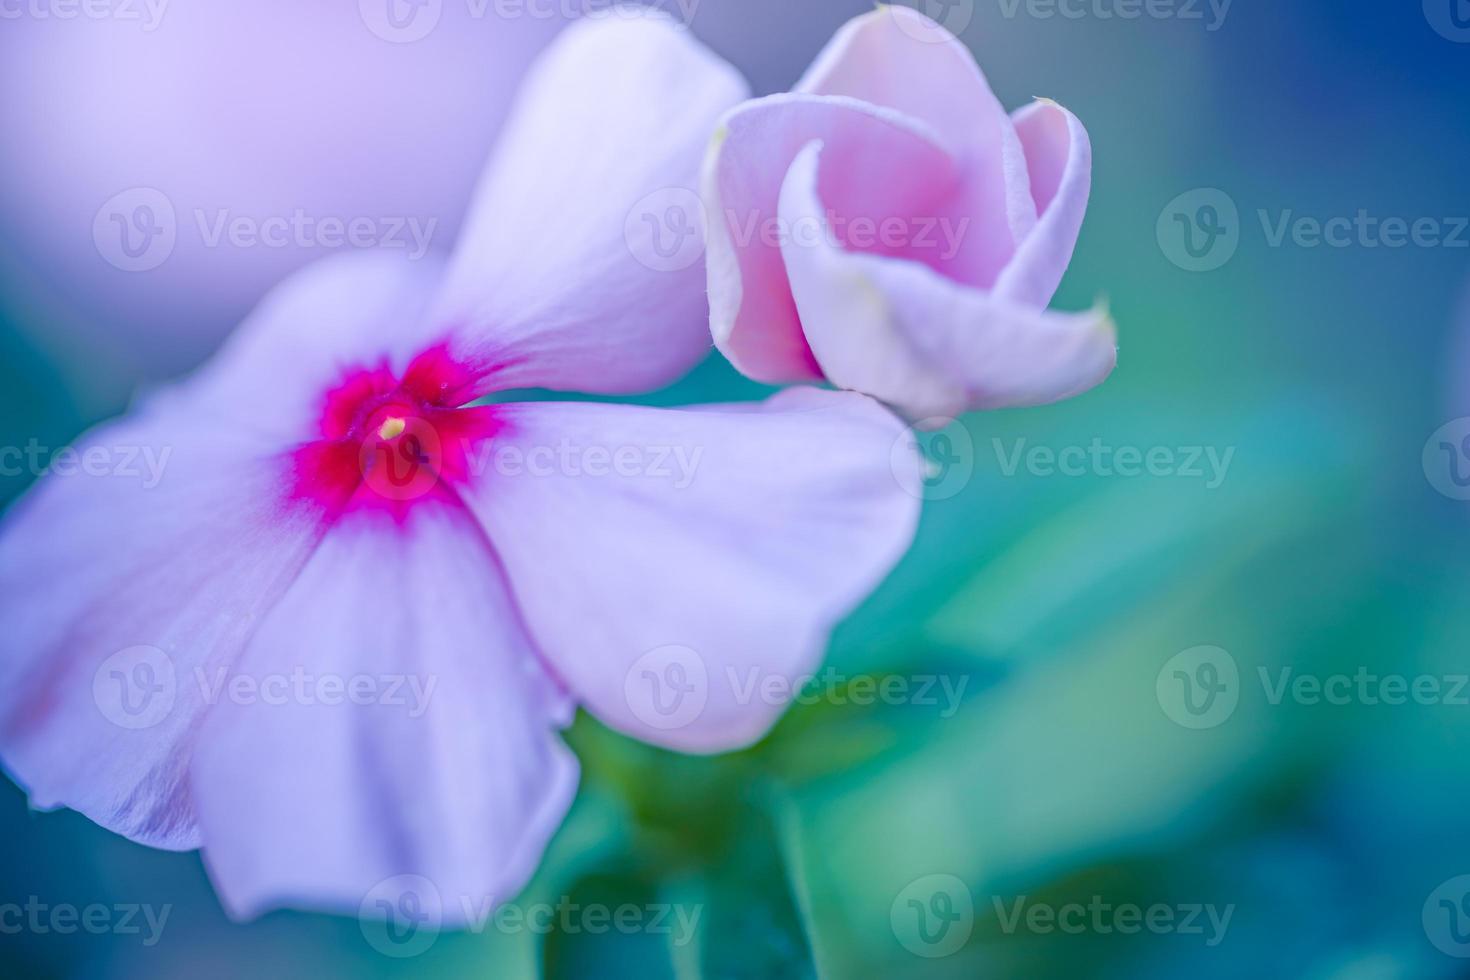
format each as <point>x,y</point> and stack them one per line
<point>327,511</point>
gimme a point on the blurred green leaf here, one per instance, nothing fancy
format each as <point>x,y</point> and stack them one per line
<point>589,939</point>
<point>1071,757</point>
<point>754,922</point>
<point>843,728</point>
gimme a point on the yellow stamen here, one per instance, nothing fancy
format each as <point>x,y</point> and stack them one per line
<point>392,428</point>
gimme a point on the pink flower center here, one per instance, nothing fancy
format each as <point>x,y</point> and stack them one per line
<point>390,442</point>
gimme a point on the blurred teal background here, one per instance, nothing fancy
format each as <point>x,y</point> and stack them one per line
<point>1080,768</point>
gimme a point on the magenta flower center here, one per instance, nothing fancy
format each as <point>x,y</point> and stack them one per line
<point>388,442</point>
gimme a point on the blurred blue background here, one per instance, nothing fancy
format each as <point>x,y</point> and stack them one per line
<point>1124,743</point>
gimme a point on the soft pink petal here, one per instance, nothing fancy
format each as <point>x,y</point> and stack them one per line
<point>353,311</point>
<point>889,165</point>
<point>312,804</point>
<point>187,535</point>
<point>114,589</point>
<point>1003,355</point>
<point>898,58</point>
<point>556,282</point>
<point>931,347</point>
<point>1059,156</point>
<point>728,569</point>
